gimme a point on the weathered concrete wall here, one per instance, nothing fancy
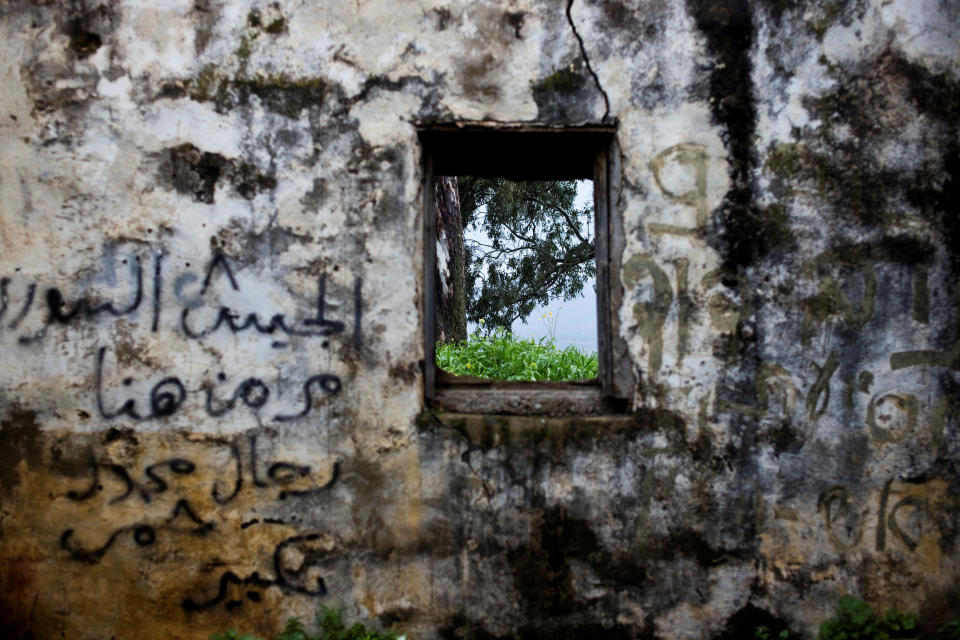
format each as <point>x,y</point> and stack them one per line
<point>211,400</point>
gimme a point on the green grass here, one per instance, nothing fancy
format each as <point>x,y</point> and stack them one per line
<point>502,356</point>
<point>330,626</point>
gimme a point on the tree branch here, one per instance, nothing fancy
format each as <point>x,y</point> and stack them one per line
<point>563,213</point>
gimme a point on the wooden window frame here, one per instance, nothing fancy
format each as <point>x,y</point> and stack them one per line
<point>530,152</point>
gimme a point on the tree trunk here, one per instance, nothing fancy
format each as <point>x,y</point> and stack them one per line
<point>451,295</point>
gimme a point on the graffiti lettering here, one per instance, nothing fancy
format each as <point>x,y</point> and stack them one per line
<point>891,429</point>
<point>62,311</point>
<point>685,154</point>
<point>304,579</point>
<point>169,394</point>
<point>157,291</point>
<point>773,386</point>
<point>56,302</point>
<point>835,506</point>
<point>327,383</point>
<point>318,325</point>
<point>821,387</point>
<point>157,477</point>
<point>143,534</point>
<point>252,392</point>
<point>844,522</point>
<point>651,314</point>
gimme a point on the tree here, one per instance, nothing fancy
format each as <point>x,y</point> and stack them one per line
<point>534,246</point>
<point>450,286</point>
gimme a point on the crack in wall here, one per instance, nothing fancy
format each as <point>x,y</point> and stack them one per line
<point>586,60</point>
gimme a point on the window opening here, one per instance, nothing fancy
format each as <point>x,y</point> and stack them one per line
<point>515,280</point>
<point>479,166</point>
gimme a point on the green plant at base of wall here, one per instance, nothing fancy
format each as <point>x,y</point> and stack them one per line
<point>330,625</point>
<point>948,631</point>
<point>763,633</point>
<point>855,619</point>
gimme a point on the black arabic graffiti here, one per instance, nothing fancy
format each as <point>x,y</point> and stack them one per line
<point>303,580</point>
<point>318,325</point>
<point>156,484</point>
<point>168,395</point>
<point>280,474</point>
<point>143,534</point>
<point>56,302</point>
<point>63,311</point>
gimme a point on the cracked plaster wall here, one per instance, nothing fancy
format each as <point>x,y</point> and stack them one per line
<point>211,398</point>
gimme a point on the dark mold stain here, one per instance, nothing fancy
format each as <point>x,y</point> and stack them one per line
<point>276,27</point>
<point>541,569</point>
<point>565,95</point>
<point>72,457</point>
<point>374,84</point>
<point>874,100</point>
<point>408,373</point>
<point>462,628</point>
<point>249,182</point>
<point>18,576</point>
<point>617,16</point>
<point>316,196</point>
<point>939,609</point>
<point>115,434</point>
<point>743,624</point>
<point>746,232</point>
<point>83,43</point>
<point>442,15</point>
<point>171,91</point>
<point>936,191</point>
<point>904,250</point>
<point>281,94</point>
<point>87,27</point>
<point>239,241</point>
<point>194,172</point>
<point>784,436</point>
<point>473,77</point>
<point>515,21</point>
<point>562,80</point>
<point>278,93</point>
<point>687,543</point>
<point>207,18</point>
<point>20,433</point>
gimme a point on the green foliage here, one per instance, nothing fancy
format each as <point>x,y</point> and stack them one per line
<point>293,630</point>
<point>502,356</point>
<point>232,635</point>
<point>948,631</point>
<point>855,619</point>
<point>540,247</point>
<point>763,633</point>
<point>330,625</point>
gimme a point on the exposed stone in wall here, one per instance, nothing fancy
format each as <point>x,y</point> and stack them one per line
<point>211,297</point>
